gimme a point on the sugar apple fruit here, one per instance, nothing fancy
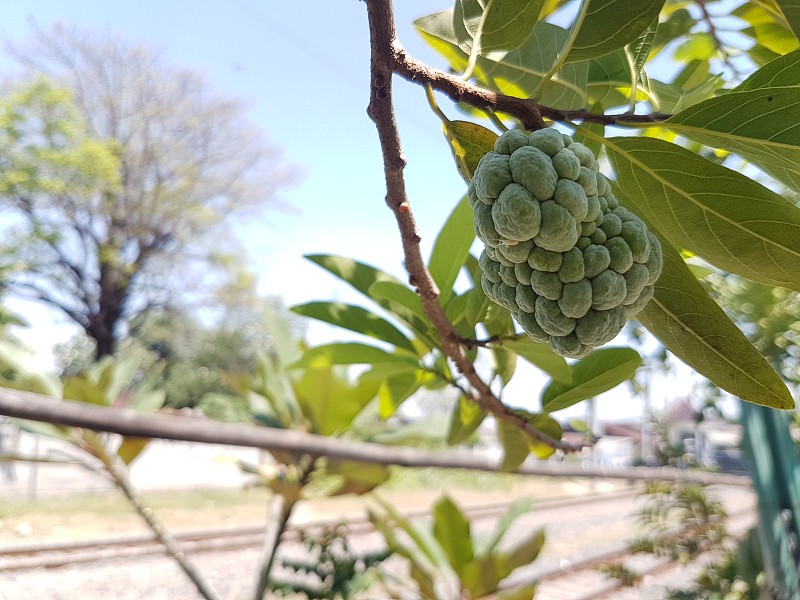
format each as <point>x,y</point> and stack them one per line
<point>569,262</point>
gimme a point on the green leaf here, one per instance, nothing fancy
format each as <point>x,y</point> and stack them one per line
<point>526,592</point>
<point>363,277</point>
<point>469,142</point>
<point>696,330</point>
<point>698,46</point>
<point>515,510</point>
<point>761,125</point>
<point>599,371</point>
<point>130,448</point>
<point>465,419</point>
<point>283,346</point>
<point>327,398</point>
<point>451,249</point>
<point>505,363</point>
<point>781,72</point>
<point>639,50</point>
<point>81,389</point>
<point>397,389</point>
<point>728,219</point>
<point>540,355</point>
<point>355,318</point>
<point>405,304</point>
<point>357,477</point>
<point>678,24</point>
<point>353,353</point>
<point>524,553</point>
<point>518,72</point>
<point>515,446</point>
<point>546,424</point>
<point>451,529</point>
<point>506,24</point>
<point>610,25</point>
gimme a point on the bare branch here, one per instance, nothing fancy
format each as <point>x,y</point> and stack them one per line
<point>529,112</point>
<point>385,52</point>
<point>26,405</point>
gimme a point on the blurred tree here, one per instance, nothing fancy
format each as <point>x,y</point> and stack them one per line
<point>122,174</point>
<point>188,359</point>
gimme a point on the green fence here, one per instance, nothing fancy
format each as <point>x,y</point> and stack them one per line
<point>776,477</point>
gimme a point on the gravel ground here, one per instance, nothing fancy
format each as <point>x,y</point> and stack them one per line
<point>572,533</point>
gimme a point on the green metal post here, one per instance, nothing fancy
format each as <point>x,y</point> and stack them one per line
<point>775,469</point>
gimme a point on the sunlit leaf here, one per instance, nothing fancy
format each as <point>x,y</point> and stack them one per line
<point>610,25</point>
<point>452,530</point>
<point>731,221</point>
<point>599,371</point>
<point>465,419</point>
<point>451,249</point>
<point>468,142</point>
<point>130,448</point>
<point>541,356</point>
<point>696,330</point>
<point>761,125</point>
<point>355,318</point>
<point>518,72</point>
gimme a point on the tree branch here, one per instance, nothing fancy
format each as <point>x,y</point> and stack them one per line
<point>385,52</point>
<point>529,112</point>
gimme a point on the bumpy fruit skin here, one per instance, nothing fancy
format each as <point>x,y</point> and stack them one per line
<point>561,254</point>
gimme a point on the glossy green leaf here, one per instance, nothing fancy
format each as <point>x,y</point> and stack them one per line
<point>761,125</point>
<point>518,72</point>
<point>452,530</point>
<point>696,330</point>
<point>599,371</point>
<point>726,218</point>
<point>610,25</point>
<point>362,277</point>
<point>404,303</point>
<point>468,142</point>
<point>451,248</point>
<point>541,356</point>
<point>465,419</point>
<point>353,353</point>
<point>355,318</point>
<point>781,72</point>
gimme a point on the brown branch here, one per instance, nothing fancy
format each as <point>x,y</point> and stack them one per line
<point>386,53</point>
<point>529,112</point>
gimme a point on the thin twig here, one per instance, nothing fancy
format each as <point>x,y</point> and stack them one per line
<point>385,50</point>
<point>119,474</point>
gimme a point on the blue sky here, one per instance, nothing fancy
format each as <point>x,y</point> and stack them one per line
<point>305,76</point>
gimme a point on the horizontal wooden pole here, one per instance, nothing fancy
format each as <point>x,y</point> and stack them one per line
<point>27,405</point>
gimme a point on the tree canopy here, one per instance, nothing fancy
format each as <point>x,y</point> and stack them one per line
<point>121,172</point>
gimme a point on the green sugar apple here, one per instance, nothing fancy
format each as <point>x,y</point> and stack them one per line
<point>569,262</point>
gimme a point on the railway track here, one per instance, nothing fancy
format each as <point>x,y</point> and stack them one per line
<point>59,554</point>
<point>560,575</point>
